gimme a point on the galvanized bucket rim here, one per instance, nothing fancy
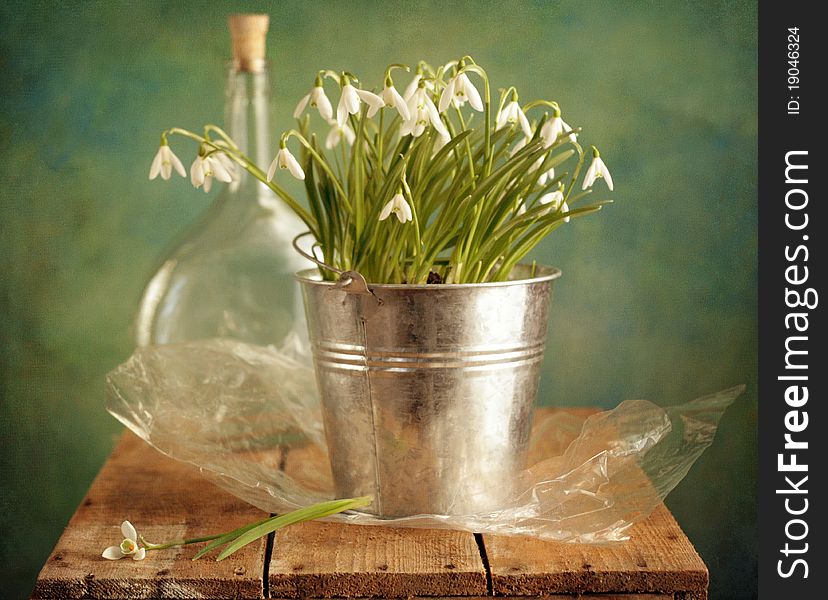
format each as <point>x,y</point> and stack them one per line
<point>312,276</point>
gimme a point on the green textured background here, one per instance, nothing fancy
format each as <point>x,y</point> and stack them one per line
<point>658,298</point>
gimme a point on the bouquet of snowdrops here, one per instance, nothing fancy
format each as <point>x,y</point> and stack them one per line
<point>472,189</point>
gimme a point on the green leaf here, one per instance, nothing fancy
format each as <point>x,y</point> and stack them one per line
<point>227,537</point>
<point>317,511</point>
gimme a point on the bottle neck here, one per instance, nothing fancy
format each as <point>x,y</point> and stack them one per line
<point>247,120</point>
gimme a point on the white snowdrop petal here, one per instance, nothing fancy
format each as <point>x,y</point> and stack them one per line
<point>293,166</point>
<point>129,531</point>
<point>324,107</point>
<point>273,166</point>
<point>407,127</point>
<point>370,98</point>
<point>349,135</point>
<point>176,163</point>
<point>166,166</point>
<point>300,108</point>
<point>140,554</point>
<point>474,97</point>
<point>447,95</point>
<point>405,208</point>
<point>197,173</point>
<point>155,167</point>
<point>342,111</point>
<point>524,123</point>
<point>589,178</point>
<point>227,163</point>
<point>386,210</point>
<point>412,104</point>
<point>564,127</point>
<point>399,103</point>
<point>521,144</point>
<point>351,99</point>
<point>419,128</point>
<point>434,116</point>
<point>219,170</point>
<point>606,174</point>
<point>332,139</point>
<point>412,87</point>
<point>112,553</point>
<point>503,117</point>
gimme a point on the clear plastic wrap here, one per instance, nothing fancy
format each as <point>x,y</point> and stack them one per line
<point>248,417</point>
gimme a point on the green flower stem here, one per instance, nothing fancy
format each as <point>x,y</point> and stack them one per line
<point>322,163</point>
<point>251,168</point>
<point>150,546</point>
<point>222,134</point>
<point>415,219</point>
<point>463,127</point>
<point>464,197</point>
<point>487,109</point>
<point>536,103</point>
<point>577,171</point>
<point>238,538</point>
<point>380,158</point>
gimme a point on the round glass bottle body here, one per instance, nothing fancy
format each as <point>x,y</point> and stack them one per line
<point>231,274</point>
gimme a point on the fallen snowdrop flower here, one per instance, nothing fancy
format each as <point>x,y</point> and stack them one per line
<point>128,547</point>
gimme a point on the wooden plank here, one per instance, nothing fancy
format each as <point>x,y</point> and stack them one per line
<point>165,500</point>
<point>658,559</point>
<point>614,570</point>
<point>324,560</point>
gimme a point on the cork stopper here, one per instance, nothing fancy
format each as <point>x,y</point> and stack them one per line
<point>249,33</point>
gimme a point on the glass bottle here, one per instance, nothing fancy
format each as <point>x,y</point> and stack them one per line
<point>232,273</point>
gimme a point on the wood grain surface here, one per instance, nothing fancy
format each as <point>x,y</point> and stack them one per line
<point>164,500</point>
<point>324,560</point>
<point>658,559</point>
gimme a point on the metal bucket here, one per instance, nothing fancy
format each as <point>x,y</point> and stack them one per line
<point>427,390</point>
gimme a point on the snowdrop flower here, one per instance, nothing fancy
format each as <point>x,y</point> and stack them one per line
<point>553,128</point>
<point>415,84</point>
<point>460,90</point>
<point>205,168</point>
<point>128,547</point>
<point>285,160</point>
<point>399,207</point>
<point>350,99</point>
<point>440,143</point>
<point>597,169</point>
<point>421,112</point>
<point>164,162</point>
<point>513,114</point>
<point>556,199</point>
<point>336,134</point>
<point>520,145</point>
<point>546,176</point>
<point>226,161</point>
<point>317,99</point>
<point>391,97</point>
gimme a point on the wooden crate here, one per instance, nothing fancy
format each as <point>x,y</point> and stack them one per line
<point>168,500</point>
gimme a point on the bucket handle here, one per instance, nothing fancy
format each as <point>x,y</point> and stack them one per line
<point>349,281</point>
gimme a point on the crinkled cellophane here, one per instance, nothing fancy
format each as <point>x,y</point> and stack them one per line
<point>249,418</point>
